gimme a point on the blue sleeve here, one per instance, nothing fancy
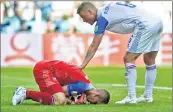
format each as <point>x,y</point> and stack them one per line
<point>79,87</point>
<point>100,25</point>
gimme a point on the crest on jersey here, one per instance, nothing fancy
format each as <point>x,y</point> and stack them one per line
<point>96,28</point>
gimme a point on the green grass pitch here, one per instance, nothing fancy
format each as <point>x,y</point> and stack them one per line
<point>101,77</point>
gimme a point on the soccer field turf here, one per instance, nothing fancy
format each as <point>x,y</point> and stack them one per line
<point>101,77</point>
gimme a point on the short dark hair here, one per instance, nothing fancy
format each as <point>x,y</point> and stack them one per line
<point>84,6</point>
<point>105,96</point>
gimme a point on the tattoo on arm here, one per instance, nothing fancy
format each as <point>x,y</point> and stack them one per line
<point>92,49</point>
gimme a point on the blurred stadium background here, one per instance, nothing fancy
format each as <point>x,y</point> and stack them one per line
<point>35,30</point>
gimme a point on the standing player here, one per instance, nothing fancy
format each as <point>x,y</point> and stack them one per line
<point>123,18</point>
<point>57,81</point>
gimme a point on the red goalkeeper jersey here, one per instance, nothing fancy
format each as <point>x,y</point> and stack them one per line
<point>65,73</point>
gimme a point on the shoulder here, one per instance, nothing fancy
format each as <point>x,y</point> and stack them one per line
<point>102,14</point>
<point>103,11</point>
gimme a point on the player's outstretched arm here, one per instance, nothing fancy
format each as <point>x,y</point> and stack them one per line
<point>92,50</point>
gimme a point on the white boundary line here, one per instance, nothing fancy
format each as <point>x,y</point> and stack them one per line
<point>102,85</point>
<point>137,86</point>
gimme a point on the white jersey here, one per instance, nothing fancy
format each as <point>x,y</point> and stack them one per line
<point>123,18</point>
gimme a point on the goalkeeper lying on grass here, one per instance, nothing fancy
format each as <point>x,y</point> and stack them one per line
<point>59,82</point>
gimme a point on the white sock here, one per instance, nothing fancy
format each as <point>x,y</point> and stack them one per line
<point>130,76</point>
<point>150,77</point>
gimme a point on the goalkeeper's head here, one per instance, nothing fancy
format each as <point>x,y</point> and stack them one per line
<point>98,96</point>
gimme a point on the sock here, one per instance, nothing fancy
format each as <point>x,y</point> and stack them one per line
<point>131,79</point>
<point>150,77</point>
<point>41,97</point>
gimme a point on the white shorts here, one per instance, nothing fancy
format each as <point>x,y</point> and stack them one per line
<point>145,40</point>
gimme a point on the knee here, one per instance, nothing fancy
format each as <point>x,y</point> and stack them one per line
<point>39,64</point>
<point>60,98</point>
<point>38,67</point>
<point>148,60</point>
<point>127,60</point>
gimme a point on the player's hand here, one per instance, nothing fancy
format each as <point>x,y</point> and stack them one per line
<point>81,99</point>
<point>71,64</point>
<point>81,67</point>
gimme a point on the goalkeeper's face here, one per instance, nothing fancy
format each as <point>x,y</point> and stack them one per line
<point>93,97</point>
<point>98,96</point>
